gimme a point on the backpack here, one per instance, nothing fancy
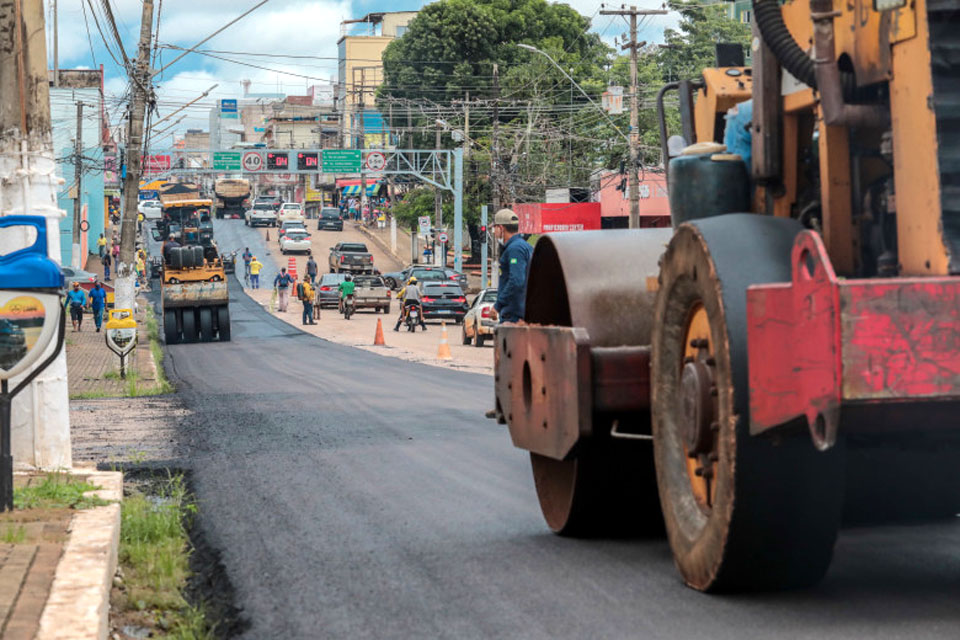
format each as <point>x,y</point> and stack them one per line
<point>300,291</point>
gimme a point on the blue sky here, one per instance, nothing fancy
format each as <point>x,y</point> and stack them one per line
<point>289,27</point>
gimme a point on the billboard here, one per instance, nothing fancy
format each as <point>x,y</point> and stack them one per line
<point>543,217</point>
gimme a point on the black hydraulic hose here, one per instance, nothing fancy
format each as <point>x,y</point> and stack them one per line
<point>662,121</point>
<point>788,53</point>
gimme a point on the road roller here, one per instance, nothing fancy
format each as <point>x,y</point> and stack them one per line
<point>785,358</point>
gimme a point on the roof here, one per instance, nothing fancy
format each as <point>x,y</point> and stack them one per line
<point>188,203</point>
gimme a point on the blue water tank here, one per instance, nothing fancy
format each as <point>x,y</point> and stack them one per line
<point>706,181</point>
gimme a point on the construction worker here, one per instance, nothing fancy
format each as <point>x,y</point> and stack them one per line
<point>409,296</point>
<point>515,254</point>
<point>247,257</point>
<point>306,297</point>
<point>255,267</point>
<point>312,269</point>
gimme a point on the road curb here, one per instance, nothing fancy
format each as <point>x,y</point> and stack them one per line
<point>79,602</point>
<point>380,243</point>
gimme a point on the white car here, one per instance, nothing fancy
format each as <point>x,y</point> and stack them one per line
<point>151,209</point>
<point>479,324</point>
<point>261,214</point>
<point>291,211</point>
<point>295,240</point>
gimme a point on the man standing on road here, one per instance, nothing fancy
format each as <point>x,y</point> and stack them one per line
<point>311,268</point>
<point>98,300</point>
<point>515,256</point>
<point>282,284</point>
<point>101,245</point>
<point>307,299</point>
<point>255,266</point>
<point>247,256</point>
<point>76,300</point>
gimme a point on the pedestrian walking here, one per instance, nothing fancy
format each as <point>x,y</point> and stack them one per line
<point>98,301</point>
<point>139,223</point>
<point>106,261</point>
<point>255,266</point>
<point>141,268</point>
<point>115,250</point>
<point>312,269</point>
<point>282,284</point>
<point>101,245</point>
<point>306,297</point>
<point>76,301</point>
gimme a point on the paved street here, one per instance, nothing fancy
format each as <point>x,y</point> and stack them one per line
<point>355,495</point>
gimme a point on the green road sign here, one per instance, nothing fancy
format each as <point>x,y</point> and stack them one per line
<point>226,161</point>
<point>341,161</point>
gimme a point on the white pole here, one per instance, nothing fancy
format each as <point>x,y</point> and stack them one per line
<point>393,234</point>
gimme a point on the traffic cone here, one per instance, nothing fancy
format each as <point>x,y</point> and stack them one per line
<point>292,267</point>
<point>443,352</point>
<point>268,235</point>
<point>378,340</point>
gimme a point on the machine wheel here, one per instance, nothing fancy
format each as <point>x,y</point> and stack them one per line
<point>206,324</point>
<point>479,340</point>
<point>741,512</point>
<point>189,325</point>
<point>223,323</point>
<point>170,332</point>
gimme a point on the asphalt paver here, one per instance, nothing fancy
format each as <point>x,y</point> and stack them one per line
<point>353,495</point>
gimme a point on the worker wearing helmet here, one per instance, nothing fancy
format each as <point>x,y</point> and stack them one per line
<point>515,254</point>
<point>346,288</point>
<point>409,296</point>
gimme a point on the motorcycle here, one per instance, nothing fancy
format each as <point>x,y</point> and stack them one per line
<point>412,317</point>
<point>348,307</point>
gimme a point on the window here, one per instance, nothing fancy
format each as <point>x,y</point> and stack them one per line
<point>402,29</point>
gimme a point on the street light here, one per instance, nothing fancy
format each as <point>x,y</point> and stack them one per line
<point>529,47</point>
<point>31,314</point>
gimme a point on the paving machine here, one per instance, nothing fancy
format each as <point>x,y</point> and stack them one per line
<point>193,280</point>
<point>787,357</point>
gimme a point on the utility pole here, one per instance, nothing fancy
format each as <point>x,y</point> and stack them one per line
<point>78,185</point>
<point>437,199</point>
<point>633,179</point>
<point>363,137</point>
<point>140,81</point>
<point>56,48</point>
<point>40,431</point>
<point>495,142</point>
<point>466,126</point>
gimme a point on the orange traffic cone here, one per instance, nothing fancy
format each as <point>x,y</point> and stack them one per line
<point>378,340</point>
<point>443,352</point>
<point>292,267</point>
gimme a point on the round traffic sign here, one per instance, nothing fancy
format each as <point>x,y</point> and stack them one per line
<point>442,236</point>
<point>376,161</point>
<point>252,161</point>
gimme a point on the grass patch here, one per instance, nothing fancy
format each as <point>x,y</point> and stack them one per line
<point>153,334</point>
<point>154,555</point>
<point>91,395</point>
<point>57,491</point>
<point>13,535</point>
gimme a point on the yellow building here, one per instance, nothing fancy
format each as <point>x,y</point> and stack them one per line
<point>360,57</point>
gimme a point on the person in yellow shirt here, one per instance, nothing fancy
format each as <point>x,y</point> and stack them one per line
<point>101,245</point>
<point>255,266</point>
<point>307,294</point>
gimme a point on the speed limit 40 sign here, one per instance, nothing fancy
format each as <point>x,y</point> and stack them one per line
<point>376,161</point>
<point>252,161</point>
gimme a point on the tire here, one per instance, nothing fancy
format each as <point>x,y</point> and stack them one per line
<point>170,332</point>
<point>464,338</point>
<point>223,323</point>
<point>206,324</point>
<point>189,325</point>
<point>479,339</point>
<point>391,283</point>
<point>283,252</point>
<point>741,512</point>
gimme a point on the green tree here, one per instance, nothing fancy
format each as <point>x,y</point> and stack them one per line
<point>691,47</point>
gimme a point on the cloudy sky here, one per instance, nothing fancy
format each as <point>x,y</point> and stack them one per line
<point>288,27</point>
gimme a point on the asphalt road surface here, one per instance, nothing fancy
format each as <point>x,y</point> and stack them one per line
<point>358,496</point>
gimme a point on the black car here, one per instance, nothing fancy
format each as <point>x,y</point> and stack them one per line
<point>443,301</point>
<point>329,219</point>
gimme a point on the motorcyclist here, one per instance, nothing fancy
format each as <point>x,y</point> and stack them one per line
<point>410,297</point>
<point>346,288</point>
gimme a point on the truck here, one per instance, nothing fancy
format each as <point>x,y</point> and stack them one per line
<point>350,257</point>
<point>786,357</point>
<point>233,197</point>
<point>193,280</point>
<point>372,293</point>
